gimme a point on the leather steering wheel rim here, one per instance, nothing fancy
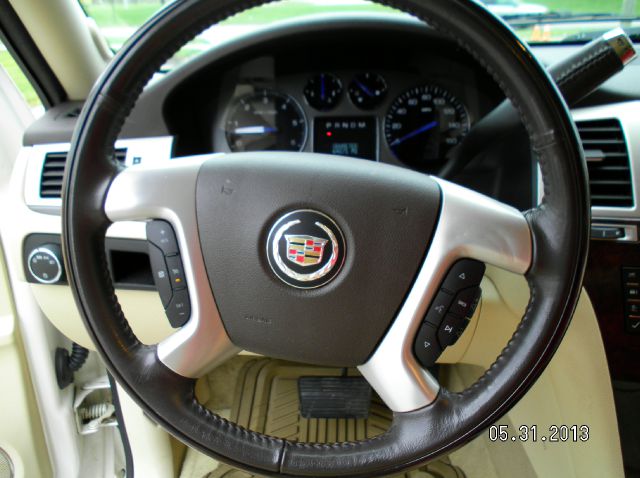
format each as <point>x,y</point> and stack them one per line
<point>559,234</point>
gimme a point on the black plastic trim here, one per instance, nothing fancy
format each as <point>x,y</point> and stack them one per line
<point>128,456</point>
<point>33,241</point>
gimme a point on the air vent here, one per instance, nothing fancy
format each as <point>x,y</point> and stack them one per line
<point>53,172</point>
<point>608,163</point>
<point>121,155</point>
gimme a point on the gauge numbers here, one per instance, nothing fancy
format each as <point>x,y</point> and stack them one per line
<point>423,124</point>
<point>265,121</point>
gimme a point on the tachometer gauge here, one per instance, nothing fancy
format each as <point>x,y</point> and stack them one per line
<point>266,121</point>
<point>423,124</point>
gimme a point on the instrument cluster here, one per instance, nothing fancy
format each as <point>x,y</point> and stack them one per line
<point>363,114</point>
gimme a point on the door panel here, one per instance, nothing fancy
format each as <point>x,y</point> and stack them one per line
<point>21,434</point>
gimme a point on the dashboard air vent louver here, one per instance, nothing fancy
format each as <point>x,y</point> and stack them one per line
<point>608,163</point>
<point>53,172</point>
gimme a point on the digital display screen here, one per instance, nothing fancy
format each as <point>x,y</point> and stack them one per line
<point>353,136</point>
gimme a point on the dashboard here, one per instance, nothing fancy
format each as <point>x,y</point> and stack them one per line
<point>378,89</point>
<point>398,95</point>
<point>409,118</point>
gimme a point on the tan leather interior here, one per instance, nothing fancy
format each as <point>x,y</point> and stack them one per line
<point>575,389</point>
<point>21,433</point>
<point>74,57</point>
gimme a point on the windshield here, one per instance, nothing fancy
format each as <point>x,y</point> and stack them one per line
<point>542,21</point>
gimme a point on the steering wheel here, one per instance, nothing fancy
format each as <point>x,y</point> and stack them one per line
<point>323,260</point>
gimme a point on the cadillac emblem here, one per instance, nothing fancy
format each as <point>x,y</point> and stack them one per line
<point>305,249</point>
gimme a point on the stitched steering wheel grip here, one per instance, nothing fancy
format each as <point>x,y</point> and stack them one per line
<point>559,234</point>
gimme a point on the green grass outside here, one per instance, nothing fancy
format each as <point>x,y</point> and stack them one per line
<point>136,14</point>
<point>15,73</point>
<point>586,6</point>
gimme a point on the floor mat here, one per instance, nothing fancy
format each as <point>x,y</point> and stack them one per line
<point>266,400</point>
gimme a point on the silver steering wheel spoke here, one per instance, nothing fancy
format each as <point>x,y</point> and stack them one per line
<point>471,226</point>
<point>168,192</point>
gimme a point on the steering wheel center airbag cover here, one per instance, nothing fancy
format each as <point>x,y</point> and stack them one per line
<point>301,259</point>
<point>381,219</point>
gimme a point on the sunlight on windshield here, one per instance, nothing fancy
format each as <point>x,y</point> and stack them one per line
<point>536,21</point>
<point>9,65</point>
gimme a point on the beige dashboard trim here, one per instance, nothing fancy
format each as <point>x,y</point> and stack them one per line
<point>143,310</point>
<point>574,389</point>
<point>64,38</point>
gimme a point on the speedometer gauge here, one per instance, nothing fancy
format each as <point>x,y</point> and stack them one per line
<point>265,121</point>
<point>423,124</point>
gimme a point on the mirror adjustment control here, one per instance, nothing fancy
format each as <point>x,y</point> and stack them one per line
<point>160,274</point>
<point>465,273</point>
<point>160,233</point>
<point>426,347</point>
<point>179,309</point>
<point>466,302</point>
<point>176,272</point>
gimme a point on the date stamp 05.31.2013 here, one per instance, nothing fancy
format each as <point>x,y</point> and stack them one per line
<point>533,433</point>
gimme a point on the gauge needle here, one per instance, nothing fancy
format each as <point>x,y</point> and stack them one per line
<point>364,88</point>
<point>255,130</point>
<point>322,87</point>
<point>420,130</point>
